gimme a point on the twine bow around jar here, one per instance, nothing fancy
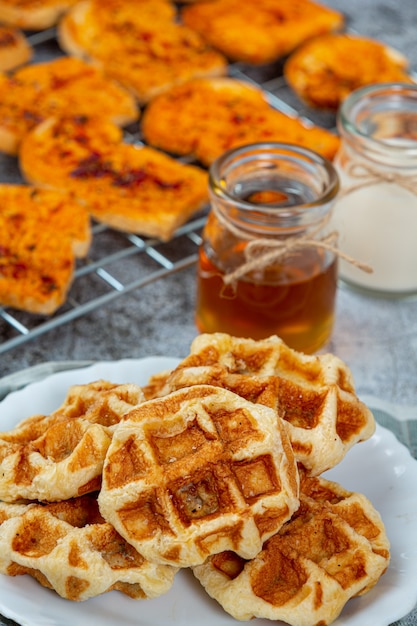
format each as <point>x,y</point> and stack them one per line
<point>261,252</point>
<point>368,176</point>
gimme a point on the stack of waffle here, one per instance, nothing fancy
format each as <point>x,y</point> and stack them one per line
<point>215,466</point>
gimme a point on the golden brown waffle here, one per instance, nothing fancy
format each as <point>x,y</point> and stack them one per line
<point>155,386</point>
<point>260,31</point>
<point>314,395</point>
<point>205,117</point>
<point>353,507</point>
<point>197,472</point>
<point>68,547</point>
<point>326,69</point>
<point>101,402</point>
<point>334,548</point>
<point>61,455</point>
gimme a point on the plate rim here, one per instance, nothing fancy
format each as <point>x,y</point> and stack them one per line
<point>156,364</point>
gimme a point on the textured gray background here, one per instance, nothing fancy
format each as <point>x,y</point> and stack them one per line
<point>376,337</point>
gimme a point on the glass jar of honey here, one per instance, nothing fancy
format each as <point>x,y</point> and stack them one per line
<point>267,263</point>
<point>376,210</point>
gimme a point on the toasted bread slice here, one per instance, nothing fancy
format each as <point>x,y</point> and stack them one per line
<point>175,121</point>
<point>207,116</point>
<point>92,28</point>
<point>41,232</point>
<point>262,31</point>
<point>328,68</point>
<point>146,51</point>
<point>33,14</point>
<point>128,187</point>
<point>64,85</point>
<point>15,49</point>
<point>64,151</point>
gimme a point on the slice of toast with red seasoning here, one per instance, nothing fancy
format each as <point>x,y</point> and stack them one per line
<point>15,49</point>
<point>326,69</point>
<point>33,14</point>
<point>63,85</point>
<point>143,47</point>
<point>205,117</point>
<point>262,31</point>
<point>128,187</point>
<point>41,233</point>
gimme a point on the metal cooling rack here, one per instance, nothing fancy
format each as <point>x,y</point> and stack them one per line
<point>104,275</point>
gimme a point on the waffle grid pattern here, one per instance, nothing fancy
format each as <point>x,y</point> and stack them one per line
<point>198,472</point>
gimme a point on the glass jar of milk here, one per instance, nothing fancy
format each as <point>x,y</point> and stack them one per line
<point>376,212</point>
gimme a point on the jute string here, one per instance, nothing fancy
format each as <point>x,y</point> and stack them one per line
<point>368,176</point>
<point>261,252</point>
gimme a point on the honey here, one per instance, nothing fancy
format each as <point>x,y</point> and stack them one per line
<point>293,295</point>
<point>299,309</point>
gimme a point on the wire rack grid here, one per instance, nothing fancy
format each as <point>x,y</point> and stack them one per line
<point>104,275</point>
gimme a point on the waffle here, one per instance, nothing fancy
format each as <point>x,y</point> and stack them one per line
<point>144,48</point>
<point>205,117</point>
<point>68,547</point>
<point>131,188</point>
<point>65,85</point>
<point>315,395</point>
<point>354,508</point>
<point>156,385</point>
<point>326,69</point>
<point>334,548</point>
<point>59,456</point>
<point>262,31</point>
<point>197,472</point>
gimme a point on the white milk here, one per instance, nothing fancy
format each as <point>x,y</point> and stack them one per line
<point>378,226</point>
<point>376,210</point>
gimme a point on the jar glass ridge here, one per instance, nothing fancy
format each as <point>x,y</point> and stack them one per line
<point>379,122</point>
<point>268,192</point>
<point>305,184</point>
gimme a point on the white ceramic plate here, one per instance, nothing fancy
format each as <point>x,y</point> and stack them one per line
<point>381,468</point>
